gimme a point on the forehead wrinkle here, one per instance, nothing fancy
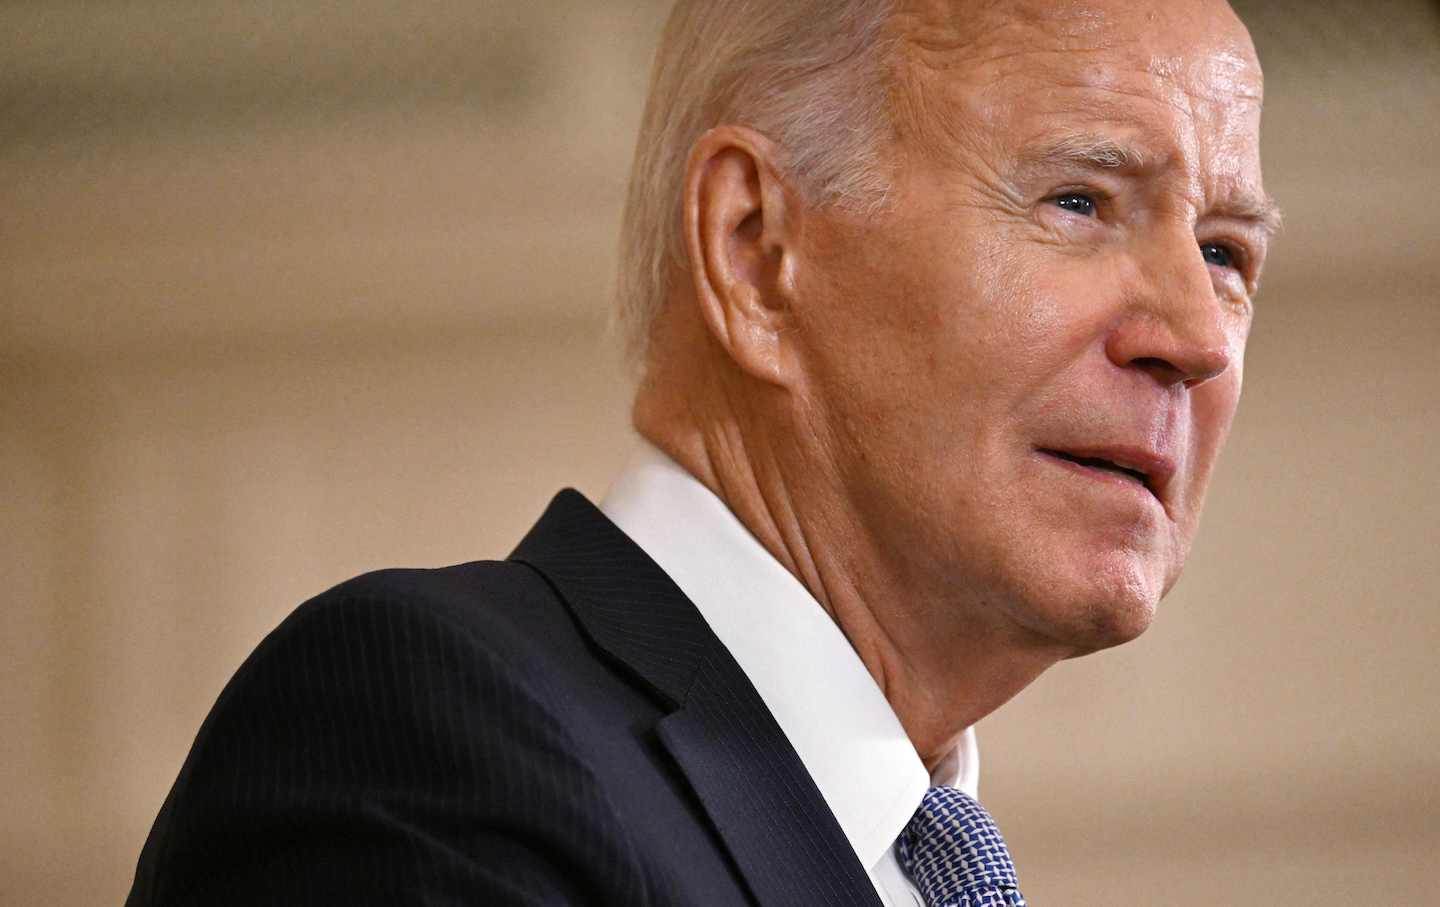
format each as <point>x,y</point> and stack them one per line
<point>1183,105</point>
<point>1180,142</point>
<point>967,24</point>
<point>943,35</point>
<point>1017,54</point>
<point>998,48</point>
<point>1240,75</point>
<point>1112,101</point>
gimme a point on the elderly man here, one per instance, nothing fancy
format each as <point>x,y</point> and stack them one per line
<point>940,310</point>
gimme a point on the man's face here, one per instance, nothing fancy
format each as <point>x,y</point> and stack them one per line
<point>1025,368</point>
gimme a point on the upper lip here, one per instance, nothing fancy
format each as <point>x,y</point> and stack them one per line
<point>1154,469</point>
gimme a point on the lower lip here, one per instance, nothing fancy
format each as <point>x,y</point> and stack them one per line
<point>1105,476</point>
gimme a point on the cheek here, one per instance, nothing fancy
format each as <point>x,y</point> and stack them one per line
<point>1044,314</point>
<point>1216,402</point>
<point>1215,406</point>
<point>876,318</point>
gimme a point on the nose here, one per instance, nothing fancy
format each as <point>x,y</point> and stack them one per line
<point>1175,328</point>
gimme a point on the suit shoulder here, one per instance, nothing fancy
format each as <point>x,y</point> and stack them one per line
<point>395,644</point>
<point>494,604</point>
<point>401,628</point>
<point>455,591</point>
<point>396,701</point>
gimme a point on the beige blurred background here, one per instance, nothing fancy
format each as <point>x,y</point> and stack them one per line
<point>290,291</point>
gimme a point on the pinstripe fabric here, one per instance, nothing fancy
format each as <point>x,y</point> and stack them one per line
<point>558,729</point>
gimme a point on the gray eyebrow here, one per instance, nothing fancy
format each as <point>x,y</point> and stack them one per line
<point>1088,150</point>
<point>1257,208</point>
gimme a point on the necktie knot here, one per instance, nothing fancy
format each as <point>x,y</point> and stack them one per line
<point>953,851</point>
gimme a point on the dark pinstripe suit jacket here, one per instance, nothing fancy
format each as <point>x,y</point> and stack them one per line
<point>558,728</point>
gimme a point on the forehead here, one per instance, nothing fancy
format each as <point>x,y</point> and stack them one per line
<point>1179,80</point>
<point>1147,30</point>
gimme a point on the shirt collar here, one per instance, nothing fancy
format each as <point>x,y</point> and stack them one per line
<point>798,660</point>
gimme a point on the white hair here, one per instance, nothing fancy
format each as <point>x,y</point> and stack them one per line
<point>811,75</point>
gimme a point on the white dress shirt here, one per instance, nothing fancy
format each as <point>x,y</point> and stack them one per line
<point>798,660</point>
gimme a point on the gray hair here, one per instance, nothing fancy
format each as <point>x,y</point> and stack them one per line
<point>811,75</point>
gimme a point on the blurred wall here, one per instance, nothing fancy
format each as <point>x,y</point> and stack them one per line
<point>290,291</point>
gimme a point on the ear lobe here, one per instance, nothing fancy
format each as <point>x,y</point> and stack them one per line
<point>737,240</point>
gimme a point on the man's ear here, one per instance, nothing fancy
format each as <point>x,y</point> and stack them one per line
<point>738,222</point>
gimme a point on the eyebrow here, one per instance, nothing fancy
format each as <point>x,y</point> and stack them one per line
<point>1086,150</point>
<point>1255,207</point>
<point>1099,152</point>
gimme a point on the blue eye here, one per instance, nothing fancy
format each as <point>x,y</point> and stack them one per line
<point>1221,256</point>
<point>1075,202</point>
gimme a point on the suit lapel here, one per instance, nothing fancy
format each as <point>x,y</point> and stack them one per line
<point>747,776</point>
<point>760,797</point>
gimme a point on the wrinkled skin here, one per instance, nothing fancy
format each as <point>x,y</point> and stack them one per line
<point>979,320</point>
<point>893,403</point>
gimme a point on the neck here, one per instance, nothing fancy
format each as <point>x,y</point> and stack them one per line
<point>779,485</point>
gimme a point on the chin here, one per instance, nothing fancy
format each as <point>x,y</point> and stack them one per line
<point>1111,622</point>
<point>1101,605</point>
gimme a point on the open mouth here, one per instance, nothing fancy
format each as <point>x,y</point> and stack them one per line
<point>1100,463</point>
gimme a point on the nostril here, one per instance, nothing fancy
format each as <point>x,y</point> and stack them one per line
<point>1161,370</point>
<point>1206,365</point>
<point>1170,351</point>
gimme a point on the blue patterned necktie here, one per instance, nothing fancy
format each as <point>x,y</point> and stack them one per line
<point>953,852</point>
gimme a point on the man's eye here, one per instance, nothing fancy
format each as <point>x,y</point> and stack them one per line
<point>1222,256</point>
<point>1080,204</point>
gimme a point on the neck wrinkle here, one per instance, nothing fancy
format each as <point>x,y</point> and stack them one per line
<point>936,688</point>
<point>762,501</point>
